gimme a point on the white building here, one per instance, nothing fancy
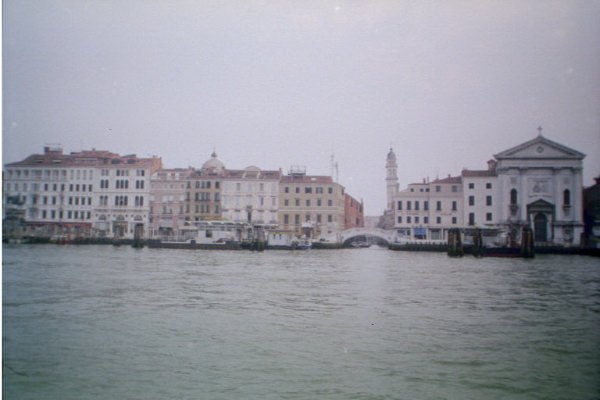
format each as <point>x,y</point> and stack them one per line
<point>52,192</point>
<point>540,184</point>
<point>122,195</point>
<point>480,197</point>
<point>250,195</point>
<point>425,211</point>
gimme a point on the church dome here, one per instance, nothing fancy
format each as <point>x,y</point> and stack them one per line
<point>214,165</point>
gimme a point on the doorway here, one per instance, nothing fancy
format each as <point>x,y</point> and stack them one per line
<point>540,226</point>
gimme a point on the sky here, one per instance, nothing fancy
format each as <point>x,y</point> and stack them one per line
<point>447,84</point>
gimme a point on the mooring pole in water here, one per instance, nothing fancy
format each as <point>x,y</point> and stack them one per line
<point>477,243</point>
<point>527,249</point>
<point>455,248</point>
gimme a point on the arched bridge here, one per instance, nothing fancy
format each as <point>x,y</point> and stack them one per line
<point>349,234</point>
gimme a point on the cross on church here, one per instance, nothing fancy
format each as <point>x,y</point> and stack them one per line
<point>540,130</point>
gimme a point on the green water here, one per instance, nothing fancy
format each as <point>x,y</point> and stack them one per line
<point>103,322</point>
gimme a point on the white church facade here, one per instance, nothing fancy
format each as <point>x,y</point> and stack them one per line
<point>537,183</point>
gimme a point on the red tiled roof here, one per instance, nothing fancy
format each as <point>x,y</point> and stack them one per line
<point>306,179</point>
<point>478,174</point>
<point>83,158</point>
<point>450,179</point>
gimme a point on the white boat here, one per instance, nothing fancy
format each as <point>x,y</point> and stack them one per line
<point>302,245</point>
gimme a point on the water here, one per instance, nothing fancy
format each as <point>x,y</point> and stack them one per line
<point>94,322</point>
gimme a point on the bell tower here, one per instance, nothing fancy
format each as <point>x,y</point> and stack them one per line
<point>391,179</point>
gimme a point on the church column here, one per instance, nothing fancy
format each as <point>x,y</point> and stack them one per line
<point>577,196</point>
<point>522,197</point>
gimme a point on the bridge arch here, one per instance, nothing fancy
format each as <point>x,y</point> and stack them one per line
<point>349,235</point>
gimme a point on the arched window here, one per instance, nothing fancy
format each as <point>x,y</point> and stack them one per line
<point>567,197</point>
<point>513,197</point>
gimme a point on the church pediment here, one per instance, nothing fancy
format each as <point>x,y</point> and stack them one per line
<point>540,148</point>
<point>541,203</point>
<point>540,206</point>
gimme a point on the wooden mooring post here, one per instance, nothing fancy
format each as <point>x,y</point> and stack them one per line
<point>527,249</point>
<point>455,247</point>
<point>478,247</point>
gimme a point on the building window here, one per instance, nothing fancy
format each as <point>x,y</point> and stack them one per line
<point>330,203</point>
<point>471,218</point>
<point>416,220</point>
<point>513,197</point>
<point>488,185</point>
<point>329,218</point>
<point>425,220</point>
<point>297,190</point>
<point>471,200</point>
<point>426,205</point>
<point>567,197</point>
<point>286,202</point>
<point>438,220</point>
<point>286,219</point>
<point>416,205</point>
<point>400,205</point>
<point>454,188</point>
<point>438,205</point>
<point>488,217</point>
<point>488,200</point>
<point>408,220</point>
<point>453,220</point>
<point>307,202</point>
<point>409,205</point>
<point>454,206</point>
<point>471,186</point>
<point>297,202</point>
<point>308,189</point>
<point>399,220</point>
<point>297,219</point>
<point>438,188</point>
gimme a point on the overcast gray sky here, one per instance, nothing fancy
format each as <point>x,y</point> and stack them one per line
<point>277,83</point>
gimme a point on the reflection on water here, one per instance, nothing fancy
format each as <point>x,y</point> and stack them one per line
<point>102,322</point>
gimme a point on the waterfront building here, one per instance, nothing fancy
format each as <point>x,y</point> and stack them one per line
<point>168,188</point>
<point>121,206</point>
<point>540,184</point>
<point>537,183</point>
<point>427,210</point>
<point>309,204</point>
<point>480,197</point>
<point>80,194</point>
<point>354,216</point>
<point>51,193</point>
<point>203,191</point>
<point>251,195</point>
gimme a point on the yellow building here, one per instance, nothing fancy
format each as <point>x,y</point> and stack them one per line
<point>309,204</point>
